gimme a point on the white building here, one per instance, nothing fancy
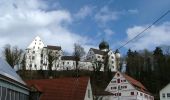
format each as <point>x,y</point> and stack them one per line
<point>165,93</point>
<point>124,87</point>
<point>104,54</point>
<point>37,55</point>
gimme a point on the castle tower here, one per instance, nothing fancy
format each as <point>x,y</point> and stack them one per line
<point>33,54</point>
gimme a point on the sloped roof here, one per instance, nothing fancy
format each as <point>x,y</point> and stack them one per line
<point>53,47</point>
<point>135,83</point>
<point>68,58</point>
<point>96,51</point>
<point>7,71</point>
<point>61,88</point>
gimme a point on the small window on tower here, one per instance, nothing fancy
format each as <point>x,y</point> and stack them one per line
<point>163,95</point>
<point>33,57</point>
<point>118,80</point>
<point>141,94</point>
<point>118,74</point>
<point>132,93</point>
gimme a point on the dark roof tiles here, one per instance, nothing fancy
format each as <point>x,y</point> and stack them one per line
<point>96,51</point>
<point>62,88</point>
<point>53,47</point>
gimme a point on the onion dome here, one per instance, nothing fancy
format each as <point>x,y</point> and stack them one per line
<point>103,45</point>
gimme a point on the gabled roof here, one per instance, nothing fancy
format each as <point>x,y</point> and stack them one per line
<point>61,88</point>
<point>53,47</point>
<point>135,83</point>
<point>7,71</point>
<point>96,51</point>
<point>68,58</point>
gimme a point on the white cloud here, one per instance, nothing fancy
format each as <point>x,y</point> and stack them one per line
<point>22,20</point>
<point>108,32</point>
<point>84,12</point>
<point>155,36</point>
<point>105,15</point>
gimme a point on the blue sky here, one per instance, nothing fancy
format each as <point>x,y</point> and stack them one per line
<point>88,22</point>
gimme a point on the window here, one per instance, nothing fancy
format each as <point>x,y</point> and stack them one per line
<point>118,80</point>
<point>132,93</point>
<point>113,88</point>
<point>146,96</point>
<point>88,93</point>
<point>163,95</point>
<point>33,52</point>
<point>0,91</point>
<point>112,57</point>
<point>33,57</point>
<point>38,47</point>
<point>112,62</point>
<point>41,61</point>
<point>98,56</point>
<point>3,93</point>
<point>118,74</point>
<point>141,94</point>
<point>123,87</point>
<point>113,81</point>
<point>41,55</point>
<point>168,95</point>
<point>67,62</point>
<point>63,63</point>
<point>102,57</point>
<point>17,96</point>
<point>30,65</point>
<point>119,94</point>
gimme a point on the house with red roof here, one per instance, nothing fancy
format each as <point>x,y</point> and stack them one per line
<point>124,87</point>
<point>61,89</point>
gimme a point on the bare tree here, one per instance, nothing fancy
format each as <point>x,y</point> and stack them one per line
<point>52,57</point>
<point>12,55</point>
<point>78,54</point>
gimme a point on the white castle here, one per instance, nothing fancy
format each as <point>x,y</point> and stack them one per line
<point>37,57</point>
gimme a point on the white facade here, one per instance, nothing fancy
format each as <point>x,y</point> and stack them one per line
<point>165,93</point>
<point>123,89</point>
<point>37,55</point>
<point>33,54</point>
<point>37,58</point>
<point>100,56</point>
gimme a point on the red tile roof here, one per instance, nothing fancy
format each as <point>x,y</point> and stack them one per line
<point>135,83</point>
<point>61,88</point>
